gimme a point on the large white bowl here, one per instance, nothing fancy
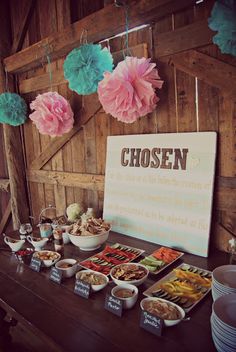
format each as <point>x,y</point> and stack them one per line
<point>94,288</point>
<point>131,282</point>
<point>89,243</point>
<point>166,322</point>
<point>67,272</point>
<point>128,302</point>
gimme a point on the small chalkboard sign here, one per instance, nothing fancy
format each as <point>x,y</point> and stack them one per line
<point>55,275</point>
<point>82,288</point>
<point>151,323</point>
<point>35,264</point>
<point>114,305</point>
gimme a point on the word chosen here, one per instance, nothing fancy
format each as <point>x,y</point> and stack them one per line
<point>114,305</point>
<point>151,323</point>
<point>155,158</point>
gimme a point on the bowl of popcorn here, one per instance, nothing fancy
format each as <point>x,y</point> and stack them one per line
<point>90,234</point>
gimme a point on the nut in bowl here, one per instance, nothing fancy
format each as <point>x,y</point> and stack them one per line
<point>48,258</point>
<point>130,273</point>
<point>171,313</point>
<point>68,267</point>
<point>89,235</point>
<point>97,280</point>
<point>127,293</point>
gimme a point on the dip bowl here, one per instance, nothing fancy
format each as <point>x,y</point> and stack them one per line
<point>37,242</point>
<point>68,267</point>
<point>145,303</point>
<point>48,258</point>
<point>122,279</point>
<point>14,244</point>
<point>121,293</point>
<point>94,287</point>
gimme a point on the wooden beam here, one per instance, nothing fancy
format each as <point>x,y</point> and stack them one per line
<point>84,181</point>
<point>5,217</point>
<point>4,184</point>
<point>99,25</point>
<point>24,24</point>
<point>184,38</point>
<point>57,143</point>
<point>225,199</point>
<point>209,69</point>
<point>42,81</point>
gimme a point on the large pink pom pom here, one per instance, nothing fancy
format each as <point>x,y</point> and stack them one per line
<point>53,115</point>
<point>129,91</point>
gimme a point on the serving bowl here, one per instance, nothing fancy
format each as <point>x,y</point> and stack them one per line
<point>122,273</point>
<point>89,242</point>
<point>144,304</point>
<point>68,267</point>
<point>25,255</point>
<point>128,302</point>
<point>48,258</point>
<point>81,275</point>
<point>37,242</point>
<point>13,243</point>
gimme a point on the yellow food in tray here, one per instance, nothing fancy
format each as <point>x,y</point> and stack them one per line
<point>193,277</point>
<point>181,289</point>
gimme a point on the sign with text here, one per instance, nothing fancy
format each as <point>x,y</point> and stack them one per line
<point>82,288</point>
<point>151,323</point>
<point>114,305</point>
<point>35,264</point>
<point>55,275</point>
<point>159,188</point>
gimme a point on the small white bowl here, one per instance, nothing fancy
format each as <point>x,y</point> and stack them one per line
<point>94,288</point>
<point>48,262</point>
<point>131,282</point>
<point>128,302</point>
<point>90,242</point>
<point>14,244</point>
<point>166,322</point>
<point>67,272</point>
<point>38,243</point>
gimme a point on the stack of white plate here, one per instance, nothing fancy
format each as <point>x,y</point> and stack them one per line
<point>223,281</point>
<point>223,323</point>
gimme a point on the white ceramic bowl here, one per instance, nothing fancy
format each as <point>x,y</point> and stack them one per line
<point>166,322</point>
<point>131,282</point>
<point>67,272</point>
<point>89,243</point>
<point>94,288</point>
<point>48,262</point>
<point>128,302</point>
<point>37,243</point>
<point>14,244</point>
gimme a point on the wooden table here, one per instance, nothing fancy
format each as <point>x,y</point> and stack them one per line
<point>67,322</point>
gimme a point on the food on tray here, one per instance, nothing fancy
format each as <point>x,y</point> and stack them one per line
<point>165,254</point>
<point>128,272</point>
<point>124,293</point>
<point>46,255</point>
<point>110,257</point>
<point>193,277</point>
<point>152,264</point>
<point>180,289</point>
<point>91,227</point>
<point>162,309</point>
<point>91,278</point>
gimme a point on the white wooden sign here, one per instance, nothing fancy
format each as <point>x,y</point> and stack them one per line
<point>158,188</point>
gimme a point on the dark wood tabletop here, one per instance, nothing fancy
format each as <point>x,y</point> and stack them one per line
<point>68,322</point>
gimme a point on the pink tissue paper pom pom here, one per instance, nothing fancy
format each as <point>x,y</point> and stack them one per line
<point>129,91</point>
<point>53,115</point>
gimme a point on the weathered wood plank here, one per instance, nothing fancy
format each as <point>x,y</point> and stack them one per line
<point>4,184</point>
<point>58,142</point>
<point>100,25</point>
<point>219,73</point>
<point>5,217</point>
<point>91,182</point>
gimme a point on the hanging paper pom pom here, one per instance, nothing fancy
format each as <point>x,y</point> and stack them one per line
<point>13,109</point>
<point>223,20</point>
<point>84,67</point>
<point>128,92</point>
<point>53,115</point>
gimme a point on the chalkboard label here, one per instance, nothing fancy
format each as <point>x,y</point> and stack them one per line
<point>82,288</point>
<point>55,275</point>
<point>151,323</point>
<point>114,305</point>
<point>35,264</point>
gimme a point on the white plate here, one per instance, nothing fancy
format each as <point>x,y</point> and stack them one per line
<point>225,275</point>
<point>225,309</point>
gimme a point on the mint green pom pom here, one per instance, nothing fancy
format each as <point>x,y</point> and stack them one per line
<point>84,67</point>
<point>13,109</point>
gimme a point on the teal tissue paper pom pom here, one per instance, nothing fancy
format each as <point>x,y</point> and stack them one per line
<point>223,20</point>
<point>13,109</point>
<point>84,67</point>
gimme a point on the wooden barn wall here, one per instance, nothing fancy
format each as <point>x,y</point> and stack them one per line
<point>187,104</point>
